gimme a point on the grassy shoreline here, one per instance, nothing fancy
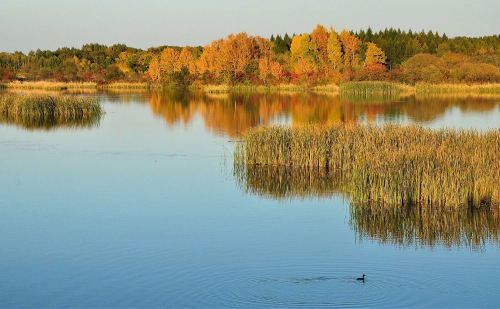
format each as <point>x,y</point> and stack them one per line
<point>365,89</point>
<point>392,164</point>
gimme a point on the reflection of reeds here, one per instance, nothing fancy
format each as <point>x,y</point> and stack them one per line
<point>426,226</point>
<point>281,182</point>
<point>46,111</point>
<point>395,165</point>
<point>415,225</point>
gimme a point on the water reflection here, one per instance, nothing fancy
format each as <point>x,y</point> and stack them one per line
<point>51,123</point>
<point>233,113</point>
<point>426,226</point>
<point>406,226</point>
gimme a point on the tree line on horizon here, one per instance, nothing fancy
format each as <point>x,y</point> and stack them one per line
<point>321,57</point>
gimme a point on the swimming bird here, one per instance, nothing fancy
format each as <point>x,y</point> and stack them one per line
<point>361,279</point>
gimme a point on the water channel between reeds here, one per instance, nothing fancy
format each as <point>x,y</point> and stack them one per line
<point>145,209</point>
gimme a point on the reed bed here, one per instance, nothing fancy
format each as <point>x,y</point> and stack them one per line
<point>330,88</point>
<point>371,88</point>
<point>437,89</point>
<point>392,164</point>
<point>44,85</point>
<point>216,88</point>
<point>45,111</point>
<point>126,86</point>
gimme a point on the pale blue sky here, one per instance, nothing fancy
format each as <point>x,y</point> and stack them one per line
<point>28,24</point>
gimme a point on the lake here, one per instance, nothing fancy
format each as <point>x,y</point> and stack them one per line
<point>143,209</point>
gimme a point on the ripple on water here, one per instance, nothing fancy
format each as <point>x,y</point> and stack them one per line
<point>317,287</point>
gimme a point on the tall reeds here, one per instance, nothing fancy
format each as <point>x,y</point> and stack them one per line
<point>372,88</point>
<point>433,89</point>
<point>125,85</point>
<point>392,164</point>
<point>53,86</point>
<point>35,110</point>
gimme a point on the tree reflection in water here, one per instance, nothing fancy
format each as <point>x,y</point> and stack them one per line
<point>232,113</point>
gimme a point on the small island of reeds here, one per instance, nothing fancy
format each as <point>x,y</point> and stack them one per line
<point>391,165</point>
<point>46,111</point>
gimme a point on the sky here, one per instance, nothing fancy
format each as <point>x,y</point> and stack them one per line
<point>49,24</point>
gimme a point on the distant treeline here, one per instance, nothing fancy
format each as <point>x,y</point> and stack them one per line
<point>323,56</point>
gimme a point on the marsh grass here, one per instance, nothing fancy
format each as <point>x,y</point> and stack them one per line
<point>271,88</point>
<point>437,89</point>
<point>124,85</point>
<point>330,88</point>
<point>45,85</point>
<point>370,88</point>
<point>393,164</point>
<point>46,111</point>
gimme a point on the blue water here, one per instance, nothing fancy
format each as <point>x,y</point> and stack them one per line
<point>136,212</point>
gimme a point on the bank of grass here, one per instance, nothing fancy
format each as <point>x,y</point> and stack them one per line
<point>54,86</point>
<point>32,110</point>
<point>439,89</point>
<point>358,89</point>
<point>126,85</point>
<point>254,88</point>
<point>392,164</point>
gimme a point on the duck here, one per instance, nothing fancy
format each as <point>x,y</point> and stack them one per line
<point>362,278</point>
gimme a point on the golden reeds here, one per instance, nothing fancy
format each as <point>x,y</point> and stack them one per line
<point>392,164</point>
<point>125,85</point>
<point>45,85</point>
<point>45,111</point>
<point>433,89</point>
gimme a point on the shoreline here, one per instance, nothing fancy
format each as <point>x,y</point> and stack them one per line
<point>362,88</point>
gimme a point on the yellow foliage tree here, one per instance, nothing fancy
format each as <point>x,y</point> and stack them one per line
<point>351,46</point>
<point>374,54</point>
<point>334,49</point>
<point>186,59</point>
<point>168,60</point>
<point>304,67</point>
<point>264,68</point>
<point>276,69</point>
<point>154,70</point>
<point>304,50</point>
<point>320,37</point>
<point>236,51</point>
<point>208,60</point>
<point>121,62</point>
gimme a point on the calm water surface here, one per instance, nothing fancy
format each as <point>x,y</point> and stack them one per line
<point>142,210</point>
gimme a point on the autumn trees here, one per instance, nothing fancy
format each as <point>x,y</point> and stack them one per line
<point>321,56</point>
